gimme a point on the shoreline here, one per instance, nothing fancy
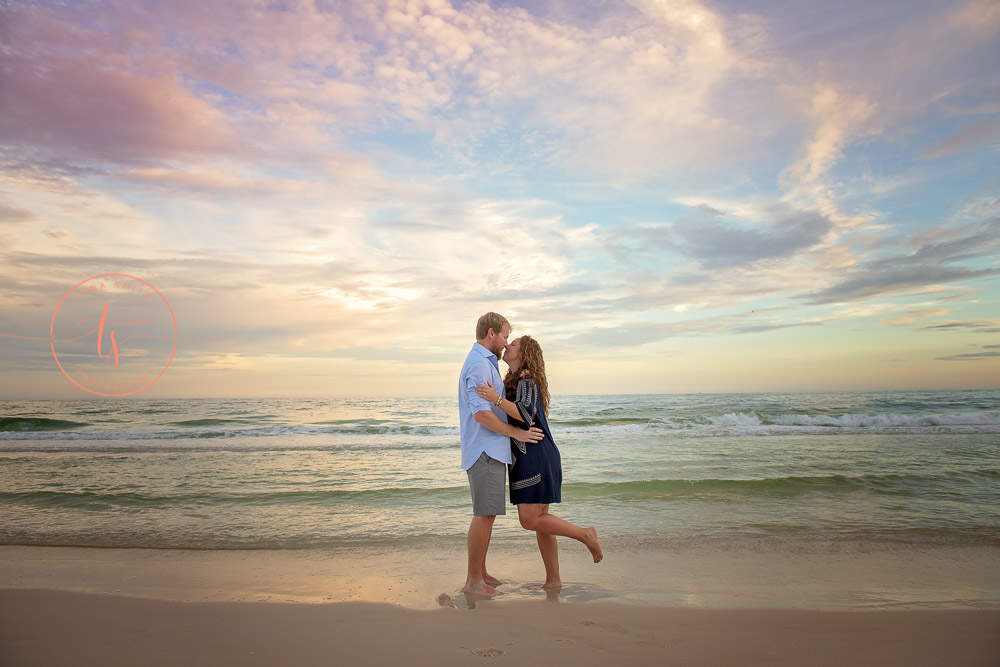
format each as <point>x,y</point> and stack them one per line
<point>873,579</point>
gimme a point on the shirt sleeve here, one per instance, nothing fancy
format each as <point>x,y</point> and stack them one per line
<point>478,374</point>
<point>526,400</point>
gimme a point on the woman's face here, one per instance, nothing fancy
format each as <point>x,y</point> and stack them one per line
<point>512,355</point>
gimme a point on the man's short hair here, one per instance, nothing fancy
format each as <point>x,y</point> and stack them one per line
<point>489,321</point>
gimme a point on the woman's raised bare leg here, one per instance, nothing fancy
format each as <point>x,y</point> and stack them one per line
<point>536,517</point>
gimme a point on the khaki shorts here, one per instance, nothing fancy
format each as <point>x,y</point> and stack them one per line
<point>487,481</point>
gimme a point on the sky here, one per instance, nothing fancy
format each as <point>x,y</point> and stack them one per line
<point>670,196</point>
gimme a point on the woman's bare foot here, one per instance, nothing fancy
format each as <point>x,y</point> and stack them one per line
<point>554,583</point>
<point>594,545</point>
<point>480,588</point>
<point>491,580</point>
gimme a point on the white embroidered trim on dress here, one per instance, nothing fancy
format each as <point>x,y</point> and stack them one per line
<point>526,397</point>
<point>531,481</point>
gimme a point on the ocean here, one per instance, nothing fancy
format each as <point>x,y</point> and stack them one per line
<point>794,472</point>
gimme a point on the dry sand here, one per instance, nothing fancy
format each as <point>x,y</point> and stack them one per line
<point>43,627</point>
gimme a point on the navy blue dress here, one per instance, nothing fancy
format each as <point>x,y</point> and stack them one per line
<point>536,472</point>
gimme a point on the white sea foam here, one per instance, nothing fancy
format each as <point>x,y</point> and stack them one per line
<point>752,423</point>
<point>733,424</point>
<point>890,420</point>
<point>419,422</point>
<point>209,433</point>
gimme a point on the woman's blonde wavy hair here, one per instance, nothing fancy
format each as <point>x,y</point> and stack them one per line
<point>532,367</point>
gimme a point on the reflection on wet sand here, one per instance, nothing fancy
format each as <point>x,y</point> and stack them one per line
<point>571,593</point>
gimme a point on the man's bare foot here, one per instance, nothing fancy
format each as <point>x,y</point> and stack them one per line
<point>491,580</point>
<point>594,545</point>
<point>480,588</point>
<point>554,583</point>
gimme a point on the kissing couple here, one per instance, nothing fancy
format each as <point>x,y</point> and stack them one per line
<point>504,425</point>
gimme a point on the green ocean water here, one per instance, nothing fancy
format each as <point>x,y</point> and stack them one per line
<point>790,471</point>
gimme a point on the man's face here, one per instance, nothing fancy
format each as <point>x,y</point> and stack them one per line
<point>499,342</point>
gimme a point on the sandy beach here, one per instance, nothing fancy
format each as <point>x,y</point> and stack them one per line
<point>76,606</point>
<point>40,627</point>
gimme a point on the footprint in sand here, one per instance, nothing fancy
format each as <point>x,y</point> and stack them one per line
<point>488,652</point>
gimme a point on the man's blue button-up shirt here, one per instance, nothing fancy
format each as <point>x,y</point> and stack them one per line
<point>481,366</point>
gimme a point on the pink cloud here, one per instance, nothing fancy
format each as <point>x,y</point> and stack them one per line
<point>77,94</point>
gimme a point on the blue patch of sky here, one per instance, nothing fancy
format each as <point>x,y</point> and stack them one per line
<point>578,202</point>
<point>928,190</point>
<point>408,143</point>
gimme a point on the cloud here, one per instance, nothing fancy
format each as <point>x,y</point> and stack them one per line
<point>978,17</point>
<point>131,92</point>
<point>320,177</point>
<point>912,316</point>
<point>761,328</point>
<point>936,260</point>
<point>977,356</point>
<point>987,326</point>
<point>715,244</point>
<point>635,90</point>
<point>974,136</point>
<point>634,334</point>
<point>88,104</point>
<point>837,118</point>
<point>327,287</point>
<point>193,178</point>
<point>12,214</point>
<point>878,281</point>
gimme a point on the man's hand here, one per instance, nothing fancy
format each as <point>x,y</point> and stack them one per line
<point>495,424</point>
<point>533,434</point>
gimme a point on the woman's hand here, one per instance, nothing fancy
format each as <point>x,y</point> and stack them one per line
<point>488,392</point>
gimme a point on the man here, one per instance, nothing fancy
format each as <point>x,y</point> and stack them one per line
<point>485,436</point>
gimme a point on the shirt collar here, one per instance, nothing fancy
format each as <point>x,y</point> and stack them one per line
<point>479,347</point>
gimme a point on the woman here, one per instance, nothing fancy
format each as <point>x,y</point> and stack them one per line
<point>536,473</point>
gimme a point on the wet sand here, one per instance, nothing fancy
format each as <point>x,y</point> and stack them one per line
<point>825,577</point>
